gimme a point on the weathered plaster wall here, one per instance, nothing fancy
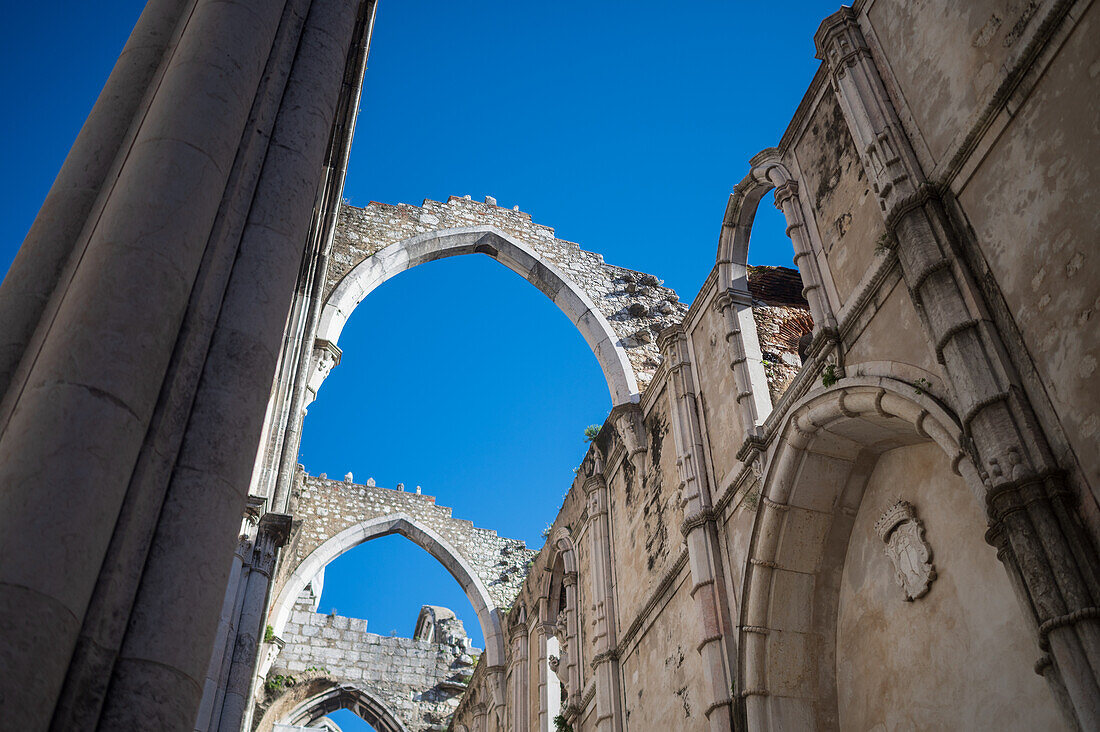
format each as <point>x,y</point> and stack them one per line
<point>846,216</point>
<point>949,57</point>
<point>1035,211</point>
<point>663,671</point>
<point>893,332</point>
<point>646,516</point>
<point>951,659</point>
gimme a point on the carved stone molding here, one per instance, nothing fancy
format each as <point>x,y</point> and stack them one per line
<point>907,549</point>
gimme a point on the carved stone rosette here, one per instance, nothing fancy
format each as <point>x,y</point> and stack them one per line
<point>907,549</point>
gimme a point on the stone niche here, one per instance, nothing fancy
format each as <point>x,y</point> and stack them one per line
<point>949,658</point>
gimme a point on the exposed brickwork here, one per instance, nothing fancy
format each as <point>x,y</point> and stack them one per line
<point>782,318</point>
<point>636,304</point>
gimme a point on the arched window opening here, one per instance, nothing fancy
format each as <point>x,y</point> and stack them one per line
<point>386,582</point>
<point>348,721</point>
<point>784,325</point>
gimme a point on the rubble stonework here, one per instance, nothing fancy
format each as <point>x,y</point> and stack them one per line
<point>324,507</point>
<point>419,681</point>
<point>636,304</point>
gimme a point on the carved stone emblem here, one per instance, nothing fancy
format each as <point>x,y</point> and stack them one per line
<point>910,554</point>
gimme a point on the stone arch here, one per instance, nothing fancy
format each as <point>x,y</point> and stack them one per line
<point>363,704</point>
<point>570,298</point>
<point>562,622</point>
<point>820,465</point>
<point>768,172</point>
<point>485,606</point>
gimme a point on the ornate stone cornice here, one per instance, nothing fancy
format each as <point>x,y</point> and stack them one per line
<point>593,483</point>
<point>276,526</point>
<point>839,41</point>
<point>327,346</point>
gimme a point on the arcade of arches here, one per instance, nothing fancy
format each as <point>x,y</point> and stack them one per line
<point>858,494</point>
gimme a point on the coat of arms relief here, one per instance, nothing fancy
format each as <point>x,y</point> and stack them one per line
<point>910,554</point>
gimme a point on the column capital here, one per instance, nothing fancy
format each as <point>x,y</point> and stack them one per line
<point>787,191</point>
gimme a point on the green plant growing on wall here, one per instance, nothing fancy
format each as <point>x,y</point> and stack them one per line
<point>560,725</point>
<point>269,634</point>
<point>591,432</point>
<point>546,531</point>
<point>921,386</point>
<point>828,375</point>
<point>752,500</point>
<point>277,683</point>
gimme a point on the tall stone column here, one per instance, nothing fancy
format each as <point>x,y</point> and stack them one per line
<point>753,405</point>
<point>573,667</point>
<point>129,430</point>
<point>605,661</point>
<point>1030,509</point>
<point>700,530</point>
<point>521,672</point>
<point>57,231</point>
<point>217,674</point>
<point>543,631</point>
<point>272,533</point>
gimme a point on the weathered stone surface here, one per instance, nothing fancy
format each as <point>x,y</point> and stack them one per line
<point>419,680</point>
<point>631,301</point>
<point>324,508</point>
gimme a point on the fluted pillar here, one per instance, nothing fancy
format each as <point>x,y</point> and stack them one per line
<point>521,672</point>
<point>700,531</point>
<point>272,533</point>
<point>57,230</point>
<point>746,362</point>
<point>605,661</point>
<point>129,429</point>
<point>1032,516</point>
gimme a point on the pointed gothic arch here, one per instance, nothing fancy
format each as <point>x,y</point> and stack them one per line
<point>359,701</point>
<point>567,294</point>
<point>487,610</point>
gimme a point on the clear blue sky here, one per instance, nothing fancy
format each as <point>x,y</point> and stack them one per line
<point>624,126</point>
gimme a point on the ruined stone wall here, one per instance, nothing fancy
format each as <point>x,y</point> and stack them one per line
<point>759,563</point>
<point>419,681</point>
<point>324,508</point>
<point>636,304</point>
